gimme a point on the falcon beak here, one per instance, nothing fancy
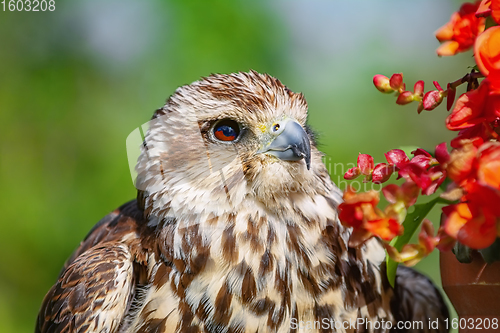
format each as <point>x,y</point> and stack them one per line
<point>291,144</point>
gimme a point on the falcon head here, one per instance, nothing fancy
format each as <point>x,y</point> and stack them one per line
<point>227,137</point>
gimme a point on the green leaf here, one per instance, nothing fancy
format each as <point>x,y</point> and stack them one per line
<point>491,253</point>
<point>410,225</point>
<point>474,67</point>
<point>463,253</point>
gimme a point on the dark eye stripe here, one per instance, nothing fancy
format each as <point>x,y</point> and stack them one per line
<point>226,130</point>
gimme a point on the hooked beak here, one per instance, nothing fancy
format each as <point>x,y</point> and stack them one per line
<point>292,144</point>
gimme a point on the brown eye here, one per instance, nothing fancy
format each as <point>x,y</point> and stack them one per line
<point>226,130</point>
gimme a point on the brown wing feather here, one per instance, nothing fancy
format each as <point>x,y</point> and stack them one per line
<point>92,294</point>
<point>97,283</point>
<point>113,227</point>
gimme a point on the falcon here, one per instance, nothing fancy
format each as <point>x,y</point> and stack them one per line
<point>234,229</point>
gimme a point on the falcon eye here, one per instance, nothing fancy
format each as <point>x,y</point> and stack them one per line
<point>226,130</point>
<point>276,127</point>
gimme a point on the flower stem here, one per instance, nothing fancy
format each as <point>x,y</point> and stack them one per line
<point>469,77</point>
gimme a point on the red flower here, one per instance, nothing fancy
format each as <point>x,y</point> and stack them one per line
<point>386,85</point>
<point>359,212</point>
<point>488,169</point>
<point>474,222</point>
<point>489,7</point>
<point>386,228</point>
<point>404,98</point>
<point>382,83</point>
<point>469,164</point>
<point>484,9</point>
<point>442,155</point>
<point>365,164</point>
<point>396,82</point>
<point>411,254</point>
<point>422,158</point>
<point>364,167</point>
<point>461,167</point>
<point>474,107</point>
<point>433,98</point>
<point>459,34</point>
<point>381,173</point>
<point>495,10</point>
<point>396,157</point>
<point>428,180</point>
<point>406,194</point>
<point>357,206</point>
<point>487,50</point>
<point>487,54</point>
<point>352,173</point>
<point>424,170</point>
<point>477,135</point>
<point>450,96</point>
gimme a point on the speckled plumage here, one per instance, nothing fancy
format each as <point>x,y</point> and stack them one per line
<point>220,238</point>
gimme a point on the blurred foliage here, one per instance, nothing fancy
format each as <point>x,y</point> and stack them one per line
<point>75,82</point>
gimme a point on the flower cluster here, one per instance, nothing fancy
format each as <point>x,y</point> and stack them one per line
<point>476,172</point>
<point>359,211</point>
<point>459,34</point>
<point>469,175</point>
<point>422,174</point>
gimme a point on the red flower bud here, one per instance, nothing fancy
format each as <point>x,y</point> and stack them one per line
<point>365,164</point>
<point>450,98</point>
<point>381,173</point>
<point>396,157</point>
<point>432,99</point>
<point>438,87</point>
<point>418,89</point>
<point>352,173</point>
<point>420,107</point>
<point>382,83</point>
<point>421,152</point>
<point>442,154</point>
<point>396,81</point>
<point>405,98</point>
<point>421,158</point>
<point>426,237</point>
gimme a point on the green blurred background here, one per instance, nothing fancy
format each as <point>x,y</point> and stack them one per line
<point>76,81</point>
